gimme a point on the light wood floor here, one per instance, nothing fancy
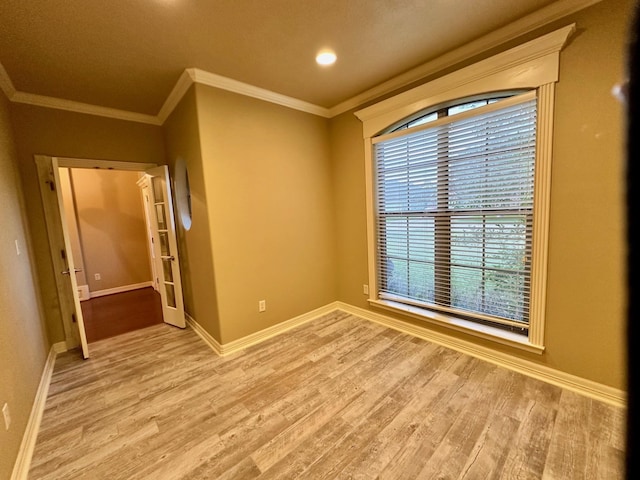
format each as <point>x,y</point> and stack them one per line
<point>339,397</point>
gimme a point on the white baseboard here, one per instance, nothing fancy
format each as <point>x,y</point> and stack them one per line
<point>589,388</point>
<point>583,386</point>
<point>262,335</point>
<point>203,334</point>
<point>23,462</point>
<point>124,288</point>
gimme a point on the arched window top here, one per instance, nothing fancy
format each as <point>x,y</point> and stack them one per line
<point>450,108</point>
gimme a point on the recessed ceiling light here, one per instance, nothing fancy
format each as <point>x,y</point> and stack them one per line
<point>326,58</point>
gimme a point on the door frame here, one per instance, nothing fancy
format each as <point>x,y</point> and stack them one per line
<point>55,235</point>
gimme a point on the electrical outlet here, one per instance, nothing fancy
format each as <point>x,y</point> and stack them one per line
<point>97,276</point>
<point>262,305</point>
<point>7,416</point>
<point>365,289</point>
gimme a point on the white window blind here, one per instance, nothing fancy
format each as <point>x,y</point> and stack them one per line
<point>455,212</point>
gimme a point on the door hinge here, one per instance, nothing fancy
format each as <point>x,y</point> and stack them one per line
<point>51,184</point>
<point>73,318</point>
<point>63,254</point>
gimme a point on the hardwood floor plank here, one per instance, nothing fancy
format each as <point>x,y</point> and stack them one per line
<point>578,447</point>
<point>434,424</point>
<point>472,413</point>
<point>120,313</point>
<point>528,453</point>
<point>282,444</point>
<point>490,452</point>
<point>304,454</point>
<point>391,440</point>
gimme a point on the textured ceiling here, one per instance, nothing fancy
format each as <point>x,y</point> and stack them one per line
<point>128,54</point>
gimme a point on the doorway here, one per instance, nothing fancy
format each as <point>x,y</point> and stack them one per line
<point>107,225</point>
<point>155,222</point>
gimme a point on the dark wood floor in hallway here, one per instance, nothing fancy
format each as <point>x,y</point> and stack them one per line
<point>339,397</point>
<point>120,313</point>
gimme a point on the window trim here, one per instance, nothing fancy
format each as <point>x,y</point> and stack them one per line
<point>534,66</point>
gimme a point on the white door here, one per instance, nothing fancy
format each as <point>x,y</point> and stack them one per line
<point>70,271</point>
<point>68,296</point>
<point>166,246</point>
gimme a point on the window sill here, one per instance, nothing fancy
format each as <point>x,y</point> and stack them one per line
<point>486,332</point>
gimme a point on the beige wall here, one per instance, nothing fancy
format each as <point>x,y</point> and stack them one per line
<point>112,227</point>
<point>268,183</point>
<point>182,140</point>
<point>66,134</point>
<point>23,341</point>
<point>586,292</point>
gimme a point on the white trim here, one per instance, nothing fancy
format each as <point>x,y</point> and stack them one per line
<point>524,25</point>
<point>225,83</point>
<point>6,85</point>
<point>203,334</point>
<point>179,90</point>
<point>583,386</point>
<point>23,461</point>
<point>262,335</point>
<point>68,162</point>
<point>79,107</point>
<point>541,212</point>
<point>475,329</point>
<point>537,19</point>
<point>589,388</point>
<point>123,288</point>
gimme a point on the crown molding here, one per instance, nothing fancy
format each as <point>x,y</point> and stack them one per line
<point>6,85</point>
<point>529,23</point>
<point>225,83</point>
<point>544,16</point>
<point>179,90</point>
<point>79,107</point>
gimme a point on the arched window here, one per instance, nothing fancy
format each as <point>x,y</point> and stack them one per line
<point>455,209</point>
<point>458,191</point>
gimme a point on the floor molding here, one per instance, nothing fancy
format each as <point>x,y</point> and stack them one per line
<point>23,461</point>
<point>589,388</point>
<point>583,386</point>
<point>189,76</point>
<point>262,335</point>
<point>124,288</point>
<point>203,334</point>
<point>60,347</point>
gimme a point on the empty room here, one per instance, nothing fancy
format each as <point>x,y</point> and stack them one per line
<point>334,239</point>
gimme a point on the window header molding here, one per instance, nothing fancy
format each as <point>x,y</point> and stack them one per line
<point>529,65</point>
